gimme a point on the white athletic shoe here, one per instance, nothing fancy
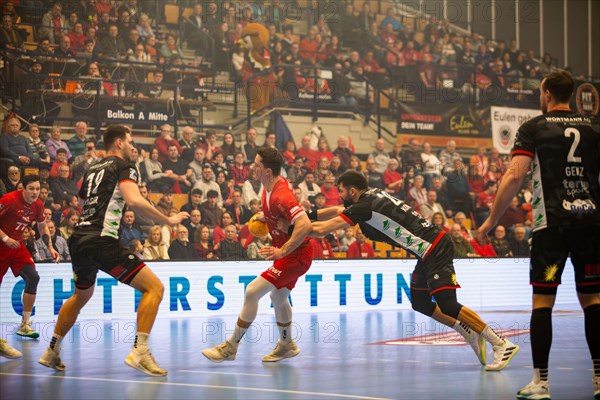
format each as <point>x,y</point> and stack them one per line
<point>596,381</point>
<point>477,341</point>
<point>144,362</point>
<point>51,359</point>
<point>535,391</point>
<point>282,351</point>
<point>223,352</point>
<point>26,331</point>
<point>6,350</point>
<point>502,355</point>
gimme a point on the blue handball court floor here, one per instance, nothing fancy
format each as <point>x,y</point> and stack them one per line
<point>359,355</point>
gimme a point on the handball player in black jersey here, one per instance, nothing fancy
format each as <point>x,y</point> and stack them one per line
<point>385,218</point>
<point>562,149</point>
<point>108,187</point>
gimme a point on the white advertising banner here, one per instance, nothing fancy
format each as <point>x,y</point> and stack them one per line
<point>217,288</point>
<point>506,122</point>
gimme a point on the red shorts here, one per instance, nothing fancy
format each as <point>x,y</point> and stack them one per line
<point>16,259</point>
<point>286,271</point>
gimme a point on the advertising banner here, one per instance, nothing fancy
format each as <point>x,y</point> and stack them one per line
<point>506,122</point>
<point>215,289</point>
<point>444,120</point>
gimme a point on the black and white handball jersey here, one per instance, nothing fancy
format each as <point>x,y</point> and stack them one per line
<point>565,147</point>
<point>384,218</point>
<point>104,204</point>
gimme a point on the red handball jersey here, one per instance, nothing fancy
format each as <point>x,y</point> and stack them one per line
<point>16,214</point>
<point>280,204</point>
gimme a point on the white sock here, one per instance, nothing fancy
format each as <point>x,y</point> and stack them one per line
<point>491,336</point>
<point>55,343</point>
<point>26,316</point>
<point>285,333</point>
<point>141,342</point>
<point>463,329</point>
<point>237,336</point>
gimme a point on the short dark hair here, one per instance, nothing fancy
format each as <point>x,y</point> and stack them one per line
<point>211,194</point>
<point>112,133</point>
<point>560,84</point>
<point>29,178</point>
<point>196,191</point>
<point>271,159</point>
<point>353,178</point>
<point>61,151</point>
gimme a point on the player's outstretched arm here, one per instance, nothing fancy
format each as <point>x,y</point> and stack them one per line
<point>302,228</point>
<point>135,201</point>
<point>326,213</point>
<point>509,186</point>
<point>323,228</point>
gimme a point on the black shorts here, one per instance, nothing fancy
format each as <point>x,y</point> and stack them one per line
<point>549,251</point>
<point>436,271</point>
<point>92,253</point>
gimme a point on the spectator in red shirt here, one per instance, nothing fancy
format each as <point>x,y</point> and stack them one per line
<point>330,191</point>
<point>360,248</point>
<point>165,140</point>
<point>411,55</point>
<point>484,201</point>
<point>310,156</point>
<point>309,45</point>
<point>321,248</point>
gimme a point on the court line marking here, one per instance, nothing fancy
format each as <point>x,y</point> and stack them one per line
<point>250,389</point>
<point>223,373</point>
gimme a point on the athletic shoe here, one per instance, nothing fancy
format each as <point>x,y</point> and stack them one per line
<point>6,350</point>
<point>596,380</point>
<point>535,391</point>
<point>26,331</point>
<point>282,351</point>
<point>51,359</point>
<point>144,362</point>
<point>502,355</point>
<point>223,352</point>
<point>477,341</point>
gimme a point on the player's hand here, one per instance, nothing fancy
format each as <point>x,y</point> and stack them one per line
<point>481,235</point>
<point>55,255</point>
<point>12,243</point>
<point>178,218</point>
<point>271,253</point>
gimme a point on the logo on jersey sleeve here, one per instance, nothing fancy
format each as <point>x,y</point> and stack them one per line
<point>133,175</point>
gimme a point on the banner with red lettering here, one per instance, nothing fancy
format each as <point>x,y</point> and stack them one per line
<point>444,120</point>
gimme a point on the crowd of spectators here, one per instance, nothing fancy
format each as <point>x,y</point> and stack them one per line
<point>357,45</point>
<point>216,177</point>
<point>213,171</point>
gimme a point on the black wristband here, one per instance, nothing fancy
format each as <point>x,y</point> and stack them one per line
<point>313,215</point>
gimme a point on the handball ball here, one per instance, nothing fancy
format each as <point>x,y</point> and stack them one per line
<point>257,227</point>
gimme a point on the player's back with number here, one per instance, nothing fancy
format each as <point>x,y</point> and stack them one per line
<point>565,147</point>
<point>104,203</point>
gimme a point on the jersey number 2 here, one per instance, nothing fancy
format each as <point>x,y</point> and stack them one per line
<point>576,138</point>
<point>93,180</point>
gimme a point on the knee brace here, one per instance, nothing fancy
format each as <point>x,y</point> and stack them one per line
<point>31,278</point>
<point>421,302</point>
<point>446,300</point>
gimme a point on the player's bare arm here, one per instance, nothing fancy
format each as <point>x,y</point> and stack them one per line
<point>509,186</point>
<point>135,201</point>
<point>302,228</point>
<point>10,242</point>
<point>323,228</point>
<point>329,213</point>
